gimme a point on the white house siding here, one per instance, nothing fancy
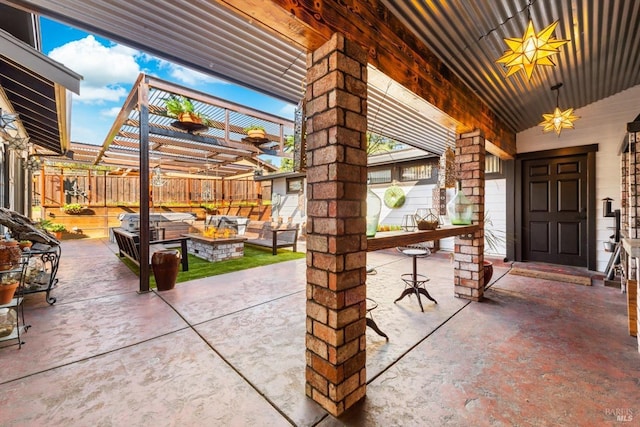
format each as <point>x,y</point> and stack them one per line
<point>603,123</point>
<point>495,207</point>
<point>421,196</point>
<point>289,206</point>
<point>416,197</point>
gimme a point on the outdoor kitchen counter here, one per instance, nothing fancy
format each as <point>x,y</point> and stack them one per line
<point>392,239</point>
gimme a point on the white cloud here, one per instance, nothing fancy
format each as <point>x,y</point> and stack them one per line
<point>186,75</point>
<point>104,68</point>
<point>110,112</point>
<point>90,135</point>
<point>288,111</point>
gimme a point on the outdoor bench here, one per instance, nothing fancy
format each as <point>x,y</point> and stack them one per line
<point>129,246</point>
<point>280,237</point>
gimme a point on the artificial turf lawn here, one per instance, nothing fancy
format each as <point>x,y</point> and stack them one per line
<point>198,268</point>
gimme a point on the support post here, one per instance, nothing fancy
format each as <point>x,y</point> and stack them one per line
<point>468,257</point>
<point>336,97</point>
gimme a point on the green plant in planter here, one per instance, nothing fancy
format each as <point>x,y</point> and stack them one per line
<point>46,224</point>
<point>255,131</point>
<point>179,106</point>
<point>254,127</point>
<point>55,227</point>
<point>25,244</point>
<point>209,207</point>
<point>73,208</point>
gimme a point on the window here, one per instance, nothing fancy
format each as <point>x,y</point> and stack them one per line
<point>416,172</point>
<point>379,176</point>
<point>294,185</point>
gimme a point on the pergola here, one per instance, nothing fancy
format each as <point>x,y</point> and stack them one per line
<point>217,149</point>
<point>144,137</point>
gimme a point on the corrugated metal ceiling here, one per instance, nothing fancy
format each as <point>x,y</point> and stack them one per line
<point>33,97</point>
<point>602,58</point>
<point>35,86</point>
<point>209,38</point>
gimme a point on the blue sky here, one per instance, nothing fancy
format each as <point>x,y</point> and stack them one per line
<point>109,69</point>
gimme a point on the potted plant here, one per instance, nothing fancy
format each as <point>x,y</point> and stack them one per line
<point>73,208</point>
<point>25,244</point>
<point>211,208</point>
<point>56,229</point>
<point>182,109</point>
<point>8,289</point>
<point>255,131</point>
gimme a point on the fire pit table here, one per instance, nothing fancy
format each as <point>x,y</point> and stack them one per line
<point>214,249</point>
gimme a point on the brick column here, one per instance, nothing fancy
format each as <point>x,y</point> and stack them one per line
<point>633,202</point>
<point>336,239</point>
<point>624,192</point>
<point>469,249</point>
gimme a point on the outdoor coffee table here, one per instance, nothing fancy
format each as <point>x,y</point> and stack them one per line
<point>415,282</point>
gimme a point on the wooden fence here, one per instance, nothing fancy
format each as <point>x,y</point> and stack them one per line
<point>105,197</point>
<point>94,189</point>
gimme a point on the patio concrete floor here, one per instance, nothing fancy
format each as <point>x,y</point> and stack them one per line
<point>229,351</point>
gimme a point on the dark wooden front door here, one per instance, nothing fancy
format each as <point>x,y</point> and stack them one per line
<point>554,222</point>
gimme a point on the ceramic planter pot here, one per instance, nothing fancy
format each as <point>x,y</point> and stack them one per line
<point>488,272</point>
<point>189,118</point>
<point>7,291</point>
<point>25,245</point>
<point>165,265</point>
<point>256,133</point>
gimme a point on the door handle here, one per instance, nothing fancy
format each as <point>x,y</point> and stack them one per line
<point>583,213</point>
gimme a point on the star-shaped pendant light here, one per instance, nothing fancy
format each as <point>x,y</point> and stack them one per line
<point>531,50</point>
<point>558,120</point>
<point>7,123</point>
<point>33,163</point>
<point>17,143</point>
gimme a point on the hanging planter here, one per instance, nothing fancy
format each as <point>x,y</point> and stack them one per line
<point>256,131</point>
<point>190,117</point>
<point>182,109</point>
<point>447,175</point>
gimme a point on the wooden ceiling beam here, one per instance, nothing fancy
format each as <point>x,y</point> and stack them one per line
<point>393,49</point>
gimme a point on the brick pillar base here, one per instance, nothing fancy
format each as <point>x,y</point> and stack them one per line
<point>336,211</point>
<point>468,257</point>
